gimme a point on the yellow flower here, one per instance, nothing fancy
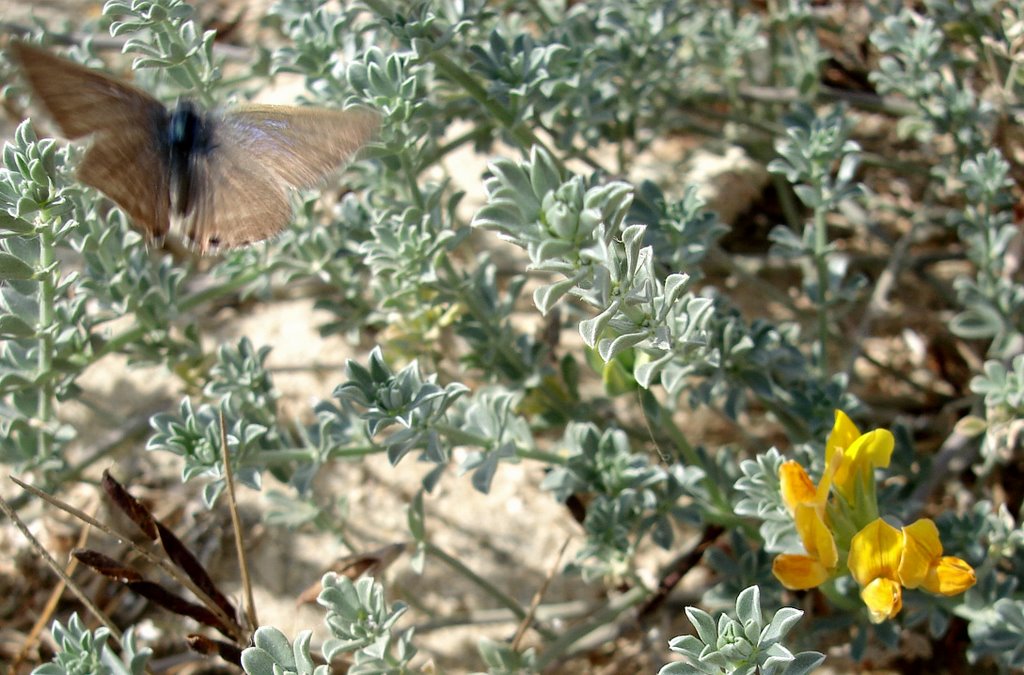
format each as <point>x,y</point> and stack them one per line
<point>874,560</point>
<point>796,485</point>
<point>807,504</point>
<point>882,559</point>
<point>859,454</point>
<point>799,572</point>
<point>923,564</point>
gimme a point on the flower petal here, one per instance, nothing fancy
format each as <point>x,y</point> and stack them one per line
<point>875,552</point>
<point>950,576</point>
<point>816,536</point>
<point>844,433</point>
<point>873,448</point>
<point>921,551</point>
<point>825,484</point>
<point>799,572</point>
<point>868,452</point>
<point>795,484</point>
<point>884,599</point>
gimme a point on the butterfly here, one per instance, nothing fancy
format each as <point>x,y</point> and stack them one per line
<point>219,179</point>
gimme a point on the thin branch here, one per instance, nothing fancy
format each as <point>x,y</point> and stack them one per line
<point>236,525</point>
<point>115,632</point>
<point>51,603</point>
<point>538,596</point>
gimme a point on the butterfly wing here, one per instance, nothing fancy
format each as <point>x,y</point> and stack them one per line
<point>300,145</point>
<point>239,201</point>
<point>258,153</point>
<point>128,167</point>
<point>126,161</point>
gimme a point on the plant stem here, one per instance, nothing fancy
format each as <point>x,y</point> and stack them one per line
<point>452,282</point>
<point>188,303</point>
<point>821,264</point>
<point>659,418</point>
<point>559,647</point>
<point>47,296</point>
<point>484,584</point>
<point>410,175</point>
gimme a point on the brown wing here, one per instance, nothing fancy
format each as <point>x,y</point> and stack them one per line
<point>126,161</point>
<point>240,201</point>
<point>258,153</point>
<point>300,145</point>
<point>128,167</point>
<point>80,100</point>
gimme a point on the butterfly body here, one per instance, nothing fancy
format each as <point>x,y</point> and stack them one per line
<point>221,179</point>
<point>188,139</point>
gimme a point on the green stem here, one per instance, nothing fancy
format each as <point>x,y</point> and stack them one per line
<point>131,335</point>
<point>454,283</point>
<point>410,176</point>
<point>454,144</point>
<point>520,132</point>
<point>837,599</point>
<point>821,264</point>
<point>230,286</point>
<point>790,208</point>
<point>559,647</point>
<point>573,152</point>
<point>284,456</point>
<point>47,296</point>
<point>484,584</point>
<point>542,456</point>
<point>461,437</point>
<point>660,419</point>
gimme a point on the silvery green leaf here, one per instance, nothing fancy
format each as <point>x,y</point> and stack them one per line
<point>804,663</point>
<point>748,610</point>
<point>591,329</point>
<point>13,224</point>
<point>13,327</point>
<point>778,658</point>
<point>785,618</point>
<point>811,197</point>
<point>646,372</point>
<point>609,349</point>
<point>12,267</point>
<point>704,625</point>
<point>547,296</point>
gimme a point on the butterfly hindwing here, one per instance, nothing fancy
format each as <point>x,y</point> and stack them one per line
<point>239,201</point>
<point>129,168</point>
<point>258,152</point>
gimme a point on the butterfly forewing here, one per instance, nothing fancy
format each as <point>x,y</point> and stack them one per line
<point>301,145</point>
<point>126,160</point>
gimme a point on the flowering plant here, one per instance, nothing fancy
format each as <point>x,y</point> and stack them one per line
<point>598,256</point>
<point>838,523</point>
